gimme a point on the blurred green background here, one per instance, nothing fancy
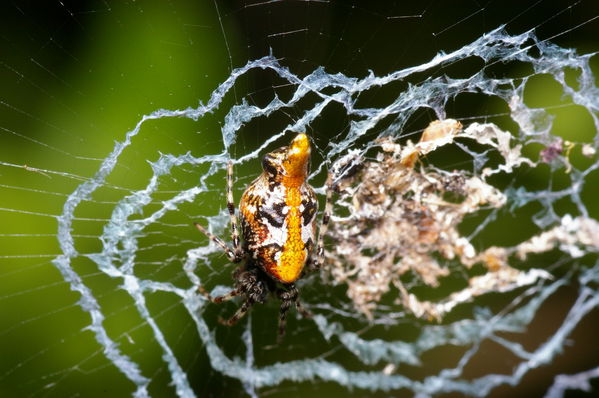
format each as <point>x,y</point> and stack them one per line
<point>76,76</point>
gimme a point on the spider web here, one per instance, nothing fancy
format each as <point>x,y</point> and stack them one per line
<point>101,263</point>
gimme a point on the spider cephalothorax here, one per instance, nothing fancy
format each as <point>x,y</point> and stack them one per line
<point>278,222</point>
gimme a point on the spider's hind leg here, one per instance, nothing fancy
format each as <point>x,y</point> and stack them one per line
<point>317,261</point>
<point>237,249</point>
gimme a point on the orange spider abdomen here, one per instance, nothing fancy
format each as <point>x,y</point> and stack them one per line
<point>278,211</point>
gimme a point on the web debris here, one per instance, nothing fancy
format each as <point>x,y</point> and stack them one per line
<point>573,234</point>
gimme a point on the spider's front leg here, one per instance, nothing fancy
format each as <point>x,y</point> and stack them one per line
<point>225,297</point>
<point>240,313</point>
<point>238,291</point>
<point>219,299</point>
<point>248,285</point>
<point>288,297</point>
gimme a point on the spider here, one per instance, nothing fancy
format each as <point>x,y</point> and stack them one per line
<point>278,223</point>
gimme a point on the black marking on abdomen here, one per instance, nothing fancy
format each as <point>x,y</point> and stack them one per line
<point>309,210</point>
<point>273,215</point>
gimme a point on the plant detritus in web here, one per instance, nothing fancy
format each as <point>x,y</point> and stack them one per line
<point>400,221</point>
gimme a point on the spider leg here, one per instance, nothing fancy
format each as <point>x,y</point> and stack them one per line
<point>241,311</point>
<point>288,297</point>
<point>234,255</point>
<point>237,250</point>
<point>248,285</point>
<point>231,255</point>
<point>219,299</point>
<point>300,308</point>
<point>324,224</point>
